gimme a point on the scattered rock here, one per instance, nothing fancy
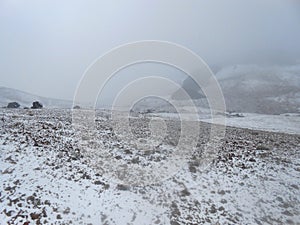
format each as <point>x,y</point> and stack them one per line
<point>252,160</point>
<point>123,187</point>
<point>213,209</point>
<point>222,192</point>
<point>36,105</point>
<point>98,182</point>
<point>13,105</point>
<point>35,216</point>
<point>185,193</point>
<point>262,147</point>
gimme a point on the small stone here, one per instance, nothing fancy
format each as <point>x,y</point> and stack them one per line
<point>122,187</point>
<point>223,201</point>
<point>34,216</point>
<point>222,192</point>
<point>252,160</point>
<point>192,169</point>
<point>98,182</point>
<point>213,209</point>
<point>295,186</point>
<point>221,208</point>
<point>66,211</point>
<point>185,193</point>
<point>287,213</point>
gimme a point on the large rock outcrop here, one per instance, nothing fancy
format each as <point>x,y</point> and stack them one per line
<point>13,105</point>
<point>36,105</point>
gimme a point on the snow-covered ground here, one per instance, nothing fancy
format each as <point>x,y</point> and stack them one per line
<point>46,177</point>
<point>285,123</point>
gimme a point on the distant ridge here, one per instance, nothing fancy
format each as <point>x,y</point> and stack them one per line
<point>25,99</point>
<point>266,90</point>
<point>256,89</point>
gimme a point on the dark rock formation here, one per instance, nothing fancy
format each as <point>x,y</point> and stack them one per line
<point>36,105</point>
<point>13,105</point>
<point>76,107</point>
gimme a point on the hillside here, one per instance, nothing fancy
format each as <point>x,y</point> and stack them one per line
<point>255,89</point>
<point>25,99</point>
<point>272,90</point>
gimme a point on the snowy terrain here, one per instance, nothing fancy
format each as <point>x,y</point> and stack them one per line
<point>265,90</point>
<point>284,123</point>
<point>256,89</point>
<point>54,173</point>
<point>25,99</point>
<point>47,179</point>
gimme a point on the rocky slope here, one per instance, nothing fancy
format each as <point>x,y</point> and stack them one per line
<point>47,177</point>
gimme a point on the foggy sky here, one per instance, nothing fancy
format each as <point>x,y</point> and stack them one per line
<point>45,46</point>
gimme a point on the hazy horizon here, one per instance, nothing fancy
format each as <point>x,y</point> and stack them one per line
<point>46,46</point>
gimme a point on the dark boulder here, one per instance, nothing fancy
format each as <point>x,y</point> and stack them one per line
<point>13,105</point>
<point>36,105</point>
<point>76,107</point>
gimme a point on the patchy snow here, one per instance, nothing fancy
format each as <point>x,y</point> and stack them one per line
<point>286,123</point>
<point>46,178</point>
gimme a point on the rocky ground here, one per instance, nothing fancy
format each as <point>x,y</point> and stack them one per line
<point>47,177</point>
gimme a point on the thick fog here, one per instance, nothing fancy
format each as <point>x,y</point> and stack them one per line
<point>45,46</point>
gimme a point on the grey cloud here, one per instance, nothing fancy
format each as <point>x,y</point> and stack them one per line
<point>47,45</point>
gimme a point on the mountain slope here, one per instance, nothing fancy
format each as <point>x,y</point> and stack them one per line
<point>268,90</point>
<point>255,89</point>
<point>25,99</point>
